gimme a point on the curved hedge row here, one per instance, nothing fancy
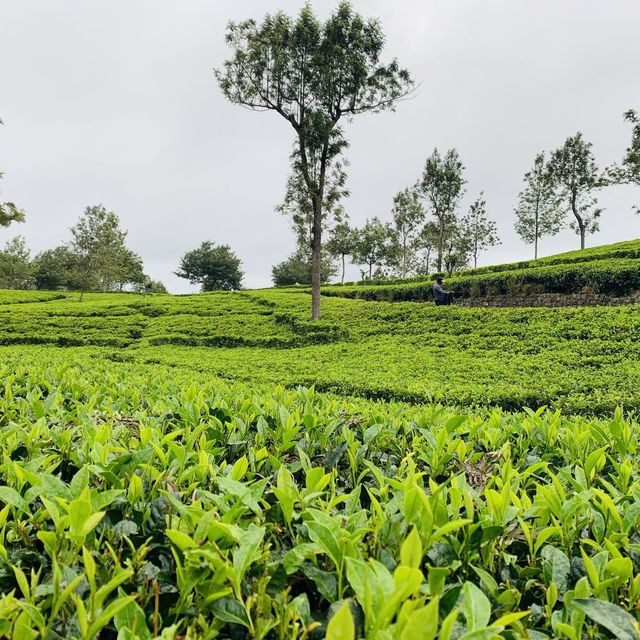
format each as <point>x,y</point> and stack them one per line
<point>615,277</point>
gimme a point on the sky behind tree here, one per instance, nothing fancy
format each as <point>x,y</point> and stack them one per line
<point>116,103</point>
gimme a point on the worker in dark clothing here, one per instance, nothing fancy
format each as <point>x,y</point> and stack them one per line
<point>441,296</point>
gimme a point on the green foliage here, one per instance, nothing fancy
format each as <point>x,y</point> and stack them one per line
<point>297,269</point>
<point>442,186</point>
<point>478,231</point>
<point>574,176</point>
<point>314,75</point>
<point>538,212</point>
<point>510,358</point>
<point>374,245</point>
<point>147,501</point>
<point>213,267</point>
<point>15,265</point>
<point>100,259</point>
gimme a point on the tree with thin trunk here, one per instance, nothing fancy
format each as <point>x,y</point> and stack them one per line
<point>481,232</point>
<point>341,244</point>
<point>538,212</point>
<point>442,187</point>
<point>574,176</point>
<point>427,241</point>
<point>629,173</point>
<point>408,217</point>
<point>314,75</point>
<point>372,245</point>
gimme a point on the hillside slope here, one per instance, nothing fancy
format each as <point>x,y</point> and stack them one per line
<point>582,360</point>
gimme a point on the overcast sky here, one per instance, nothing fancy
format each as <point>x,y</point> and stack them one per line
<point>116,103</point>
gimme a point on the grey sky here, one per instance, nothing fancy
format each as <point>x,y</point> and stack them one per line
<point>115,103</point>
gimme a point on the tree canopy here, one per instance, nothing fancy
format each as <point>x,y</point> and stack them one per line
<point>213,267</point>
<point>314,75</point>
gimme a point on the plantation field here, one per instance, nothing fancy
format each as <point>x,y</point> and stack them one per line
<point>142,500</point>
<point>164,476</point>
<point>583,360</point>
<point>612,270</point>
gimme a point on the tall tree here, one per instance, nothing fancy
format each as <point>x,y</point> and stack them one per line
<point>631,161</point>
<point>408,217</point>
<point>99,249</point>
<point>313,75</point>
<point>575,176</point>
<point>442,187</point>
<point>8,211</point>
<point>538,212</point>
<point>15,265</point>
<point>480,232</point>
<point>213,267</point>
<point>373,244</point>
<point>341,244</point>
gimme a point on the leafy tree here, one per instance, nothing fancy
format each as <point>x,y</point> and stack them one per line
<point>631,161</point>
<point>8,211</point>
<point>298,207</point>
<point>213,267</point>
<point>148,285</point>
<point>574,176</point>
<point>457,248</point>
<point>101,259</point>
<point>481,233</point>
<point>374,245</point>
<point>442,187</point>
<point>408,216</point>
<point>341,244</point>
<point>15,265</point>
<point>314,75</point>
<point>538,212</point>
<point>297,268</point>
<point>56,269</point>
<point>427,242</point>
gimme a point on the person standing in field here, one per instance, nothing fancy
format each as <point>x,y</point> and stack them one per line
<point>440,296</point>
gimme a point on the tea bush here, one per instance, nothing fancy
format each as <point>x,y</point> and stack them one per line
<point>141,501</point>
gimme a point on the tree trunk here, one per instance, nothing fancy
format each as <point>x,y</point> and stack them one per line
<point>579,220</point>
<point>535,242</point>
<point>535,250</point>
<point>342,278</point>
<point>440,242</point>
<point>316,244</point>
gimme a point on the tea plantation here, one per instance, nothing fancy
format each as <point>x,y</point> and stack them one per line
<point>217,466</point>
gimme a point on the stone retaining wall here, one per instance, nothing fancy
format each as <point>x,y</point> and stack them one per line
<point>549,300</point>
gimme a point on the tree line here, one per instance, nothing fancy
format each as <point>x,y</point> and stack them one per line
<point>96,258</point>
<point>319,75</point>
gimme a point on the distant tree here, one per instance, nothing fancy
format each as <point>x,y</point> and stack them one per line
<point>426,244</point>
<point>458,248</point>
<point>538,212</point>
<point>408,218</point>
<point>314,75</point>
<point>130,270</point>
<point>341,244</point>
<point>148,285</point>
<point>574,176</point>
<point>56,269</point>
<point>374,245</point>
<point>631,163</point>
<point>297,268</point>
<point>8,211</point>
<point>213,267</point>
<point>442,187</point>
<point>15,265</point>
<point>102,260</point>
<point>481,233</point>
